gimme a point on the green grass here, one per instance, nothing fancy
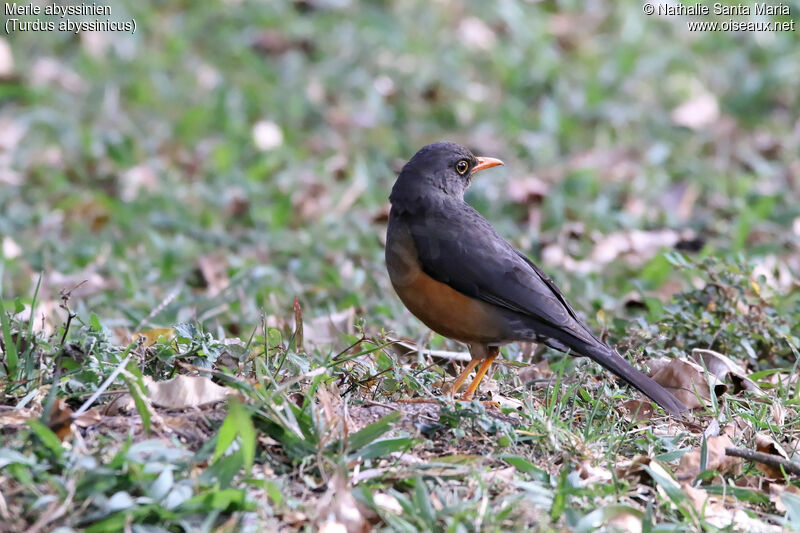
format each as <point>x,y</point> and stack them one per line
<point>130,178</point>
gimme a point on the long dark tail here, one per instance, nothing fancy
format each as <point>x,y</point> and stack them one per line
<point>610,360</point>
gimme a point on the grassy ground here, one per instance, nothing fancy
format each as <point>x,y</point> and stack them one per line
<point>166,196</point>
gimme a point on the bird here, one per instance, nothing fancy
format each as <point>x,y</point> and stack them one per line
<point>454,272</point>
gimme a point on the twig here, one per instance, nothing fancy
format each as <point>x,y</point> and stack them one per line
<point>380,404</point>
<point>777,461</point>
<point>47,409</point>
<point>457,356</point>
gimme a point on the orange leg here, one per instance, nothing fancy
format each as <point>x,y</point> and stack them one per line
<point>462,377</point>
<point>493,353</point>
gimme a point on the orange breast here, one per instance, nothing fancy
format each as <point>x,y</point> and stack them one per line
<point>450,313</point>
<point>442,308</point>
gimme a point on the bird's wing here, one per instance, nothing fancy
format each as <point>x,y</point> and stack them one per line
<point>460,248</point>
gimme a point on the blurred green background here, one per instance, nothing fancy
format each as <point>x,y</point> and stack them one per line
<point>230,156</point>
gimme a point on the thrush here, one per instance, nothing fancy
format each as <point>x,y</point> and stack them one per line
<point>454,272</point>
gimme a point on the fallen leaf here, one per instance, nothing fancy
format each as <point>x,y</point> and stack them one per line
<point>766,444</point>
<point>590,474</point>
<point>12,417</point>
<point>340,509</point>
<point>182,392</point>
<point>295,518</point>
<point>722,367</point>
<point>633,470</point>
<point>689,466</point>
<point>776,491</point>
<point>637,245</point>
<point>502,475</point>
<point>540,370</point>
<point>91,417</point>
<point>778,413</point>
<point>688,381</point>
<point>526,191</point>
<point>638,410</point>
<point>213,270</point>
<point>121,404</point>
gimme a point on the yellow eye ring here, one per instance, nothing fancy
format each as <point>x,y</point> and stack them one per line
<point>462,167</point>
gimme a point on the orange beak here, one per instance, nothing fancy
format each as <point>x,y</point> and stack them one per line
<point>486,162</point>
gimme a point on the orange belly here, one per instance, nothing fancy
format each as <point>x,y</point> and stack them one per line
<point>450,313</point>
<point>442,308</point>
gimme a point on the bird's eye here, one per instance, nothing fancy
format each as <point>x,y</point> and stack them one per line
<point>462,167</point>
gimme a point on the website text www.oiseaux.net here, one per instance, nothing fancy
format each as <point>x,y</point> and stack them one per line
<point>740,25</point>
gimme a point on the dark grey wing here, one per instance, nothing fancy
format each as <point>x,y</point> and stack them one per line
<point>457,246</point>
<point>460,248</point>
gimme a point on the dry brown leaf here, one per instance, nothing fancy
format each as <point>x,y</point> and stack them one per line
<point>213,270</point>
<point>638,410</point>
<point>689,466</point>
<point>339,509</point>
<point>331,402</point>
<point>637,245</point>
<point>540,370</point>
<point>633,470</point>
<point>722,366</point>
<point>784,379</point>
<point>778,412</point>
<point>657,364</point>
<point>592,474</point>
<point>182,392</point>
<point>90,418</point>
<point>776,490</point>
<point>687,380</point>
<point>714,510</point>
<point>738,429</point>
<point>766,444</point>
<point>294,518</point>
<point>507,401</point>
<point>503,475</point>
<point>528,190</point>
<point>11,417</point>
